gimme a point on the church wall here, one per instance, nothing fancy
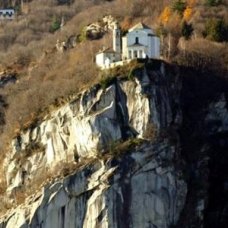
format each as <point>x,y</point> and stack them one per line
<point>155,47</point>
<point>107,58</point>
<point>131,37</point>
<point>124,47</point>
<point>117,40</point>
<point>150,46</point>
<point>100,59</point>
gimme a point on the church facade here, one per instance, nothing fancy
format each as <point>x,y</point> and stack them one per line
<point>140,42</point>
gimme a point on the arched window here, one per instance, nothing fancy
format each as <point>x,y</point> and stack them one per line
<point>136,40</point>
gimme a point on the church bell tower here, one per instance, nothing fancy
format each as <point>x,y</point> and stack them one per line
<point>116,38</point>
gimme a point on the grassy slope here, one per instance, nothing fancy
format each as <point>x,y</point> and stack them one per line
<point>42,72</point>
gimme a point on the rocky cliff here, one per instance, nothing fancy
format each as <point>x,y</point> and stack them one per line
<point>133,154</point>
<point>142,189</point>
<point>203,136</point>
<point>96,119</point>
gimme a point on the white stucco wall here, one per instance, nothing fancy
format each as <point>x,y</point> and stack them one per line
<point>117,40</point>
<point>124,47</point>
<point>150,42</point>
<point>156,49</point>
<point>100,59</point>
<point>142,37</point>
<point>5,13</point>
<point>104,59</point>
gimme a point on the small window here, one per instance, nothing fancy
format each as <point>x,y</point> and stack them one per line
<point>136,40</point>
<point>135,54</point>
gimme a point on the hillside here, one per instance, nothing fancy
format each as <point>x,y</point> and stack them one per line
<point>27,49</point>
<point>60,115</point>
<point>163,128</point>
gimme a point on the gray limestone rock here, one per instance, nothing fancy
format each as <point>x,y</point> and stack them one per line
<point>138,190</point>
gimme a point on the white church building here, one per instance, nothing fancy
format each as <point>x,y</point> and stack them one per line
<point>139,43</point>
<point>7,14</point>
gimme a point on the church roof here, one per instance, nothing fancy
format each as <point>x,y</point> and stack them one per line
<point>106,50</point>
<point>136,45</point>
<point>139,26</point>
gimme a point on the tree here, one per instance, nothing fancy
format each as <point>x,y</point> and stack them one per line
<point>165,15</point>
<point>55,25</point>
<point>216,30</point>
<point>187,13</point>
<point>179,6</point>
<point>186,30</point>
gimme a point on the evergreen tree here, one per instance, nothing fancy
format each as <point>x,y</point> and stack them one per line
<point>216,30</point>
<point>186,30</point>
<point>55,25</point>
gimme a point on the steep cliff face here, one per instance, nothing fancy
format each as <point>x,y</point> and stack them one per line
<point>142,189</point>
<point>92,122</point>
<point>203,137</point>
<point>143,186</point>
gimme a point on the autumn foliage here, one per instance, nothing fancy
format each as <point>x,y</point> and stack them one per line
<point>184,9</point>
<point>187,13</point>
<point>165,15</point>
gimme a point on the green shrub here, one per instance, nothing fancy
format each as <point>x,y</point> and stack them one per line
<point>179,6</point>
<point>82,36</point>
<point>55,24</point>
